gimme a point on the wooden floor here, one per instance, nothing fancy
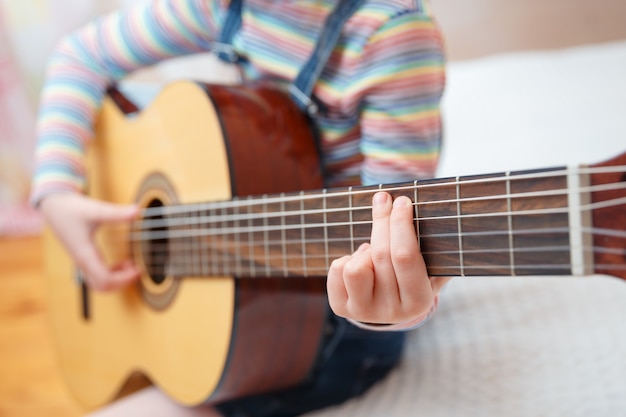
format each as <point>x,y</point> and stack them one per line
<point>30,383</point>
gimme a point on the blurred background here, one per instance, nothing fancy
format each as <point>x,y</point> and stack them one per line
<point>530,84</point>
<point>29,30</point>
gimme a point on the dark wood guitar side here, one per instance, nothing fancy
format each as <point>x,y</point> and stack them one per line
<point>259,124</point>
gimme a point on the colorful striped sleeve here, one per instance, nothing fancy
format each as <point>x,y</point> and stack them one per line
<point>402,78</point>
<point>86,62</point>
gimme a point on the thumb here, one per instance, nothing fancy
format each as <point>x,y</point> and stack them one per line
<point>100,211</point>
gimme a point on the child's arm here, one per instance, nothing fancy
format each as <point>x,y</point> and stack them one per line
<point>80,70</point>
<point>88,61</point>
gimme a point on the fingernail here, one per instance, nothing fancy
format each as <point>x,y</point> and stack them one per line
<point>380,198</point>
<point>402,202</point>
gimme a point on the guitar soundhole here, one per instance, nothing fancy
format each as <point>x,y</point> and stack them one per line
<point>158,284</point>
<point>156,250</point>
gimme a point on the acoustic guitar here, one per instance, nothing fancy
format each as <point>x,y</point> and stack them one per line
<point>237,233</point>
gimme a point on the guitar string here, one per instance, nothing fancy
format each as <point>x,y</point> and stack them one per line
<point>220,259</point>
<point>226,263</point>
<point>434,270</point>
<point>160,255</point>
<point>271,199</point>
<point>230,263</point>
<point>521,232</point>
<point>202,216</point>
<point>169,234</point>
<point>162,251</point>
<point>139,234</point>
<point>603,187</point>
<point>264,229</point>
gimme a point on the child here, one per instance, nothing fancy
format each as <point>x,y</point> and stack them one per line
<point>380,91</point>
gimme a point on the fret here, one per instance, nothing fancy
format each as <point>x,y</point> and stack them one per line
<point>193,247</point>
<point>196,243</point>
<point>224,245</point>
<point>273,225</point>
<point>459,226</point>
<point>325,220</point>
<point>256,237</point>
<point>157,253</point>
<point>238,268</point>
<point>184,257</point>
<point>351,220</point>
<point>417,214</point>
<point>438,226</point>
<point>303,235</point>
<point>339,218</point>
<point>510,223</point>
<point>541,240</point>
<point>283,236</point>
<point>292,236</point>
<point>170,258</point>
<point>361,201</point>
<point>485,229</point>
<point>266,246</point>
<point>251,239</point>
<point>166,261</point>
<point>215,264</point>
<point>230,240</point>
<point>316,238</point>
<point>204,245</point>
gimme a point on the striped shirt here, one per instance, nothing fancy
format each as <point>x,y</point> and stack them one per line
<point>382,85</point>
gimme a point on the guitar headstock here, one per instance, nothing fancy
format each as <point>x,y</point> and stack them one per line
<point>608,212</point>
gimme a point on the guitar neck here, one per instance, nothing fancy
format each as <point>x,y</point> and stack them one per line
<point>519,223</point>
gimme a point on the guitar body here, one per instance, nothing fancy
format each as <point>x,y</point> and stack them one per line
<point>199,339</point>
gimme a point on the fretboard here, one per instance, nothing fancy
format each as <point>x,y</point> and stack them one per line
<point>519,223</point>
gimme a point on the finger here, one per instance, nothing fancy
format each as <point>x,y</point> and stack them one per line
<point>101,277</point>
<point>380,249</point>
<point>347,281</point>
<point>122,275</point>
<point>336,289</point>
<point>93,267</point>
<point>359,280</point>
<point>100,211</point>
<point>408,263</point>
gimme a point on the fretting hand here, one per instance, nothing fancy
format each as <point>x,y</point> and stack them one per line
<point>384,281</point>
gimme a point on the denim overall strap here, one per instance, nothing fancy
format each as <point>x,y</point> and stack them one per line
<point>301,89</point>
<point>224,44</point>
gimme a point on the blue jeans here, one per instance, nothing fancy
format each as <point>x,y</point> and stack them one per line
<point>356,361</point>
